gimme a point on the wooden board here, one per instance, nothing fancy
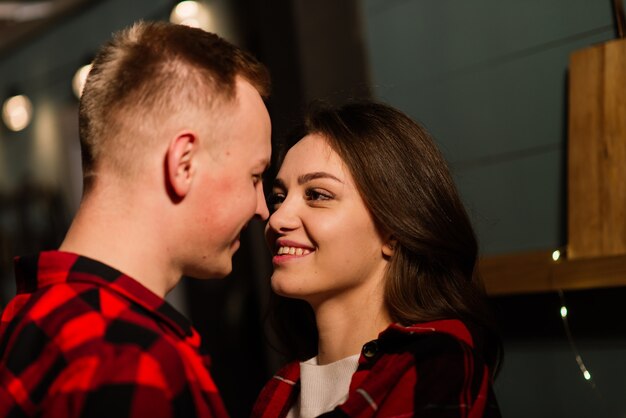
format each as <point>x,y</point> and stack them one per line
<point>537,272</point>
<point>597,151</point>
<point>529,272</point>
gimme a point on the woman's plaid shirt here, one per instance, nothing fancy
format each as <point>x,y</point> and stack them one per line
<point>82,339</point>
<point>426,370</point>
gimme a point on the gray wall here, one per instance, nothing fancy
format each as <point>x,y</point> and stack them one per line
<point>488,78</point>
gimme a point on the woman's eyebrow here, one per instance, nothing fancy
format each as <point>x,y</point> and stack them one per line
<point>305,178</point>
<point>316,175</point>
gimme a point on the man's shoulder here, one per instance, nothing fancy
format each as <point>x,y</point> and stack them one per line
<point>80,337</point>
<point>79,317</point>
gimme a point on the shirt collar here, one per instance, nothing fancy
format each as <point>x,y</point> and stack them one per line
<point>52,267</point>
<point>453,327</point>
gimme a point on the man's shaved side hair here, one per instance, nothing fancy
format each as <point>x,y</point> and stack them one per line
<point>144,75</point>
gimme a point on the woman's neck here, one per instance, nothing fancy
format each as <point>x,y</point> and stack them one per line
<point>344,324</point>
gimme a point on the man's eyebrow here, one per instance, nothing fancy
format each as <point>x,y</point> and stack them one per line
<point>265,163</point>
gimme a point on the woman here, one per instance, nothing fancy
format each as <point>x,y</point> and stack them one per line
<point>368,229</point>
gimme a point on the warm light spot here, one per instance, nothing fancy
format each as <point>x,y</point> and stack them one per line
<point>191,13</point>
<point>556,255</point>
<point>186,9</point>
<point>563,311</point>
<point>78,82</point>
<point>17,112</point>
<point>587,375</point>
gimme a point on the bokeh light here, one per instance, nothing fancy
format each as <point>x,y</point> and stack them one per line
<point>17,112</point>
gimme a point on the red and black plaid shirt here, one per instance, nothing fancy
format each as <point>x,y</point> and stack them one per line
<point>82,339</point>
<point>426,370</point>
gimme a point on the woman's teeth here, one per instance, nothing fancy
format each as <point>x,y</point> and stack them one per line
<point>293,251</point>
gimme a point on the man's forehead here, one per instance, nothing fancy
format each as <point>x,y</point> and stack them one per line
<point>265,163</point>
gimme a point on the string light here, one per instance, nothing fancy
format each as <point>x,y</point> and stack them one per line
<point>570,339</point>
<point>556,255</point>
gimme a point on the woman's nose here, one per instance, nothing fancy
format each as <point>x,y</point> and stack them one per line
<point>284,217</point>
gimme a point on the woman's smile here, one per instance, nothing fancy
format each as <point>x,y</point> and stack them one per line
<point>323,237</point>
<point>288,250</point>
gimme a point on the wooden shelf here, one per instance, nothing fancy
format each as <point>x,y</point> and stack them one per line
<point>536,272</point>
<point>596,189</point>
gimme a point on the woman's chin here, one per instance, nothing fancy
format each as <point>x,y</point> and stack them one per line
<point>287,290</point>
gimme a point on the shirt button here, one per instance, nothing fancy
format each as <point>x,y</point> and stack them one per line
<point>370,349</point>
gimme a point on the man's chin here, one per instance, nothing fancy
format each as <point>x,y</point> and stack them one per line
<point>215,272</point>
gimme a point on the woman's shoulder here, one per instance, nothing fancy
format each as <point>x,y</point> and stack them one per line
<point>433,350</point>
<point>425,366</point>
<point>445,346</point>
<point>446,332</point>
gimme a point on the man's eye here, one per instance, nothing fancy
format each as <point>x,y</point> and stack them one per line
<point>257,178</point>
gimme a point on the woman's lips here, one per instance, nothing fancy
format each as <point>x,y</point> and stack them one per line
<point>289,250</point>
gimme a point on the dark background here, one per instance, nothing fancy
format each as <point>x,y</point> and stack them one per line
<point>487,78</point>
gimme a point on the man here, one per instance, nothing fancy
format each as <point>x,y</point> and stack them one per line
<point>175,137</point>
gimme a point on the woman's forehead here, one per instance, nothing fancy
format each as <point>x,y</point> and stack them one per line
<point>313,152</point>
<point>309,158</point>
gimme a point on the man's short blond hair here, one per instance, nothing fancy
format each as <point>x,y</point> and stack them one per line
<point>147,73</point>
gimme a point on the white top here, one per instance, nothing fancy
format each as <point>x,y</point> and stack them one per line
<point>323,387</point>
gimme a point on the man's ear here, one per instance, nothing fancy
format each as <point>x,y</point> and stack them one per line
<point>180,163</point>
<point>389,247</point>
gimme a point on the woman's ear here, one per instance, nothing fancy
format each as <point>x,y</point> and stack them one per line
<point>389,247</point>
<point>180,163</point>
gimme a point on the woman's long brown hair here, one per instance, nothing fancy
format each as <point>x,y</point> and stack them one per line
<point>406,184</point>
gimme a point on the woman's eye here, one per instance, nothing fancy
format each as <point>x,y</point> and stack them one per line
<point>257,178</point>
<point>313,194</point>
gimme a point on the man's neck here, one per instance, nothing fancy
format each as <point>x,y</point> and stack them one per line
<point>123,242</point>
